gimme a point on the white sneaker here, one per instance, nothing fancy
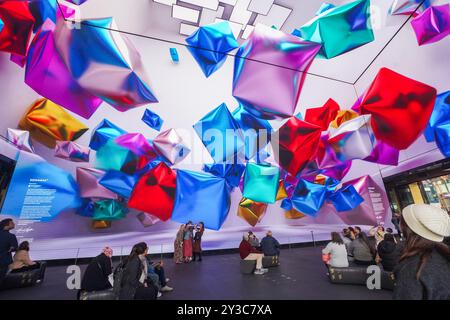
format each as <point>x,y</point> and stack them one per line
<point>264,270</point>
<point>166,289</point>
<point>258,272</point>
<point>159,295</point>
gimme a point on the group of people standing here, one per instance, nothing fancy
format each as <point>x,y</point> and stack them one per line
<point>420,261</point>
<point>188,243</point>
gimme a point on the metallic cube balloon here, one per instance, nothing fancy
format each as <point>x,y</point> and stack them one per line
<point>221,135</point>
<point>354,139</point>
<point>400,107</point>
<point>257,132</point>
<point>201,197</point>
<point>322,116</point>
<point>104,62</point>
<point>147,220</point>
<point>293,214</point>
<point>383,153</point>
<point>340,29</point>
<point>324,7</point>
<point>343,116</point>
<point>43,10</point>
<point>440,114</point>
<point>210,44</point>
<point>17,26</point>
<point>86,209</point>
<point>328,162</point>
<point>308,197</point>
<point>269,71</point>
<point>372,211</point>
<point>111,156</point>
<point>174,55</point>
<point>232,173</point>
<point>89,186</point>
<point>408,7</point>
<point>72,151</point>
<point>48,122</point>
<point>20,138</point>
<point>170,144</point>
<point>281,193</point>
<point>109,210</point>
<point>47,74</point>
<point>442,133</point>
<point>101,224</point>
<point>152,120</point>
<point>261,182</point>
<point>136,143</point>
<point>297,142</point>
<point>105,131</point>
<point>346,198</point>
<point>154,193</point>
<point>432,25</point>
<point>252,212</point>
<point>118,182</point>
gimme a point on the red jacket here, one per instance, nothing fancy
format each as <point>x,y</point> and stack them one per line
<point>245,249</point>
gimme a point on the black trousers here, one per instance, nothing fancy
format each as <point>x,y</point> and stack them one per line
<point>3,271</point>
<point>146,293</point>
<point>195,254</point>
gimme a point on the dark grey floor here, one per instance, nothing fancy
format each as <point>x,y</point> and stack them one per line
<point>301,275</point>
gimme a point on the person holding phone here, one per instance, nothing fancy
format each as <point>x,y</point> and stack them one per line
<point>187,242</point>
<point>197,247</point>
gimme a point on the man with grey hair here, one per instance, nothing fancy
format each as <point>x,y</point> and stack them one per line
<point>269,245</point>
<point>247,252</point>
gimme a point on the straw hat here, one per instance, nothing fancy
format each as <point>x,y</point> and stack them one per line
<point>427,221</point>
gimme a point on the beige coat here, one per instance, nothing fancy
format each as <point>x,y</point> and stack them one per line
<point>21,259</point>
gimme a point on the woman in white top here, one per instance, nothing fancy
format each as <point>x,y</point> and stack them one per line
<point>337,251</point>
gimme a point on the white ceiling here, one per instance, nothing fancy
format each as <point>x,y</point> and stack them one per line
<point>155,20</point>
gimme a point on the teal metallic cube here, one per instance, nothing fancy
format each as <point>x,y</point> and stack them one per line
<point>261,182</point>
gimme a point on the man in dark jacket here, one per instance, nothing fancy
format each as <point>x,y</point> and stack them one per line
<point>8,244</point>
<point>269,245</point>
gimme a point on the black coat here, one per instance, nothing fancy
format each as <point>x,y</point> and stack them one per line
<point>270,246</point>
<point>131,288</point>
<point>8,243</point>
<point>389,254</point>
<point>433,283</point>
<point>96,275</point>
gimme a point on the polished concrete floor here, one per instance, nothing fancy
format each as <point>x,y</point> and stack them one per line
<point>301,275</point>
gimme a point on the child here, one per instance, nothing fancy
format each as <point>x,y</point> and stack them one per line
<point>197,248</point>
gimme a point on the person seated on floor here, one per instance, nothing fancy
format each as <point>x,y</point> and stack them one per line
<point>254,241</point>
<point>157,275</point>
<point>336,251</point>
<point>269,245</point>
<point>8,244</point>
<point>348,237</point>
<point>131,276</point>
<point>362,250</point>
<point>423,272</point>
<point>96,275</point>
<point>387,252</point>
<point>23,263</point>
<point>247,252</point>
<point>378,233</point>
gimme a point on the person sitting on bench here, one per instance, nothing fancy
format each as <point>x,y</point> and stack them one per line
<point>22,261</point>
<point>247,252</point>
<point>269,245</point>
<point>337,252</point>
<point>8,244</point>
<point>96,276</point>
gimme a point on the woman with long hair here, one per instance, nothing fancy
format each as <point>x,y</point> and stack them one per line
<point>134,284</point>
<point>387,252</point>
<point>197,247</point>
<point>187,241</point>
<point>362,250</point>
<point>178,245</point>
<point>424,269</point>
<point>336,252</point>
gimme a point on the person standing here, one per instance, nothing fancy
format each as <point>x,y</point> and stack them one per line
<point>8,244</point>
<point>187,242</point>
<point>424,269</point>
<point>178,245</point>
<point>197,247</point>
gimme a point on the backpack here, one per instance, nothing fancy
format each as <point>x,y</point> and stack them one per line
<point>118,277</point>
